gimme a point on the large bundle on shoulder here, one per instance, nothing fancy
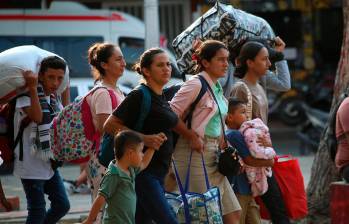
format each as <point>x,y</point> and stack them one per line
<point>13,62</point>
<point>224,23</point>
<point>16,60</point>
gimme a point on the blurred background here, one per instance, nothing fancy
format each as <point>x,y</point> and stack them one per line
<point>311,29</point>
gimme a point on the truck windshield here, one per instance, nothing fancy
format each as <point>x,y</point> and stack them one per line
<point>131,48</point>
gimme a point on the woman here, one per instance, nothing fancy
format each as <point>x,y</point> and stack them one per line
<point>155,68</point>
<point>278,81</point>
<point>254,63</point>
<point>108,65</point>
<point>212,60</point>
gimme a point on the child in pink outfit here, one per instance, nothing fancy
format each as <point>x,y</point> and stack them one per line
<point>252,131</point>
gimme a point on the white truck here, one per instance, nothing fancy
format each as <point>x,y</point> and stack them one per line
<point>68,29</point>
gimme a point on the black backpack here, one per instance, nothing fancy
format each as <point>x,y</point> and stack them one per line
<point>106,152</point>
<point>8,141</point>
<point>331,129</point>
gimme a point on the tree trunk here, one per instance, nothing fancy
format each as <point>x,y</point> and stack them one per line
<point>323,170</point>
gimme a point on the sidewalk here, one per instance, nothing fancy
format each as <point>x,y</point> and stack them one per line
<point>79,203</point>
<point>284,141</point>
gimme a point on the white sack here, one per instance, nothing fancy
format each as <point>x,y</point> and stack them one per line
<point>18,59</point>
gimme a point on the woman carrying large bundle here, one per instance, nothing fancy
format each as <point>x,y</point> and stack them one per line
<point>253,63</point>
<point>212,64</point>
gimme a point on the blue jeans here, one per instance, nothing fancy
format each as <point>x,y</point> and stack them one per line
<point>35,191</point>
<point>151,201</point>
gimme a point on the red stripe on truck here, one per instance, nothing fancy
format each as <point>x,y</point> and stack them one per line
<point>113,17</point>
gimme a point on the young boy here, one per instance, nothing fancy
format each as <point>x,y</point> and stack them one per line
<point>118,185</point>
<point>33,163</point>
<point>235,117</point>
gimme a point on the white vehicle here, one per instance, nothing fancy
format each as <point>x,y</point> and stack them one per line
<point>68,29</point>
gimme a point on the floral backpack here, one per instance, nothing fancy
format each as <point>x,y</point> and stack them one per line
<point>72,132</point>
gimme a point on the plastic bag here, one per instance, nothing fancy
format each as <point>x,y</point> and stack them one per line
<point>16,60</point>
<point>224,23</point>
<point>290,179</point>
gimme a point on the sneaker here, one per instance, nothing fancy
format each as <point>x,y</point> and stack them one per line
<point>69,187</point>
<point>83,189</point>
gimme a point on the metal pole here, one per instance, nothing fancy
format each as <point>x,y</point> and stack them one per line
<point>43,4</point>
<point>151,19</point>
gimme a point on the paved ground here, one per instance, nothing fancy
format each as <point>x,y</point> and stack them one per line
<point>284,140</point>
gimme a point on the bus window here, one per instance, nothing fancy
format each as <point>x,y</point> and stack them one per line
<point>7,42</point>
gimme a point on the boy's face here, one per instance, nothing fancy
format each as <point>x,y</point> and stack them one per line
<point>234,120</point>
<point>136,155</point>
<point>51,79</point>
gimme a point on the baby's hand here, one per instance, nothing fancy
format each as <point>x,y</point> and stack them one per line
<point>264,142</point>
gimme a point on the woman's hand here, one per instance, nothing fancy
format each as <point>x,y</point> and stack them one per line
<point>196,44</point>
<point>279,44</point>
<point>154,141</point>
<point>196,143</point>
<point>264,142</point>
<point>223,144</point>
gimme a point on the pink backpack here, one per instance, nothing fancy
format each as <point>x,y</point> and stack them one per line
<point>72,132</point>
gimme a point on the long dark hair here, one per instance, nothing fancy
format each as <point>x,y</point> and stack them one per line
<point>146,59</point>
<point>248,51</point>
<point>207,50</point>
<point>98,53</point>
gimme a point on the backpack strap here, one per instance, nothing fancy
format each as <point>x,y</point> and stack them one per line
<point>23,125</point>
<point>19,138</point>
<point>97,135</point>
<point>113,98</point>
<point>249,100</point>
<point>331,128</point>
<point>203,90</point>
<point>145,106</point>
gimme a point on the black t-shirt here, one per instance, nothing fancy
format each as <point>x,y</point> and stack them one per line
<point>160,119</point>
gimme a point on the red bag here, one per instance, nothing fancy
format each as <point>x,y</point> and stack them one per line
<point>290,179</point>
<point>339,202</point>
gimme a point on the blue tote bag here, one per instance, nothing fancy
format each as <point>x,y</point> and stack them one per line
<point>195,208</point>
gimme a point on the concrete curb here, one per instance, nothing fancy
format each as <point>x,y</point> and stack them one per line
<point>75,215</point>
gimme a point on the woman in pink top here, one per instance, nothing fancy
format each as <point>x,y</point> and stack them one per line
<point>108,65</point>
<point>342,134</point>
<point>212,59</point>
